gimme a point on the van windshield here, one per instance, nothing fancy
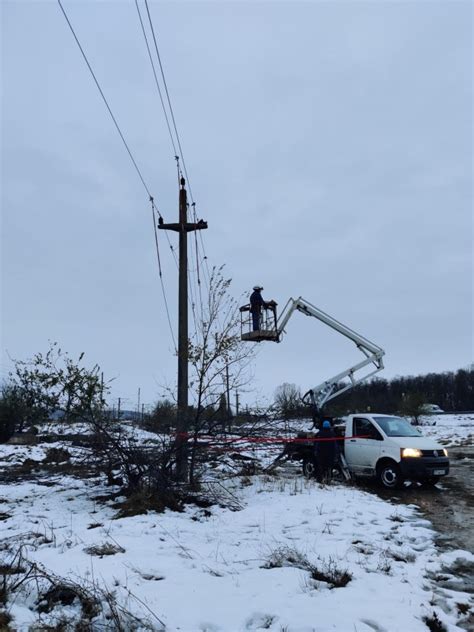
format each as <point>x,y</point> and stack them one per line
<point>397,427</point>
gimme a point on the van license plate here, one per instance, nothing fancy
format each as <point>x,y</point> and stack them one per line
<point>439,472</point>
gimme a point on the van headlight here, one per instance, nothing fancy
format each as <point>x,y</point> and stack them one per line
<point>410,452</point>
<point>445,452</point>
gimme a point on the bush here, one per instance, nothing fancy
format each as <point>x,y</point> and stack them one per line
<point>94,607</point>
<point>325,571</point>
<point>162,418</point>
<point>413,406</point>
<point>12,411</point>
<point>435,624</point>
<point>288,401</point>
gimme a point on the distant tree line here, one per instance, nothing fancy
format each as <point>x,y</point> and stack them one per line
<point>452,391</point>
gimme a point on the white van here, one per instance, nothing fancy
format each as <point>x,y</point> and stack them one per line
<point>391,449</point>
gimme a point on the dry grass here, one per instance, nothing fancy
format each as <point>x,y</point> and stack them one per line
<point>326,571</point>
<point>107,548</point>
<point>96,608</point>
<point>142,502</point>
<point>434,623</point>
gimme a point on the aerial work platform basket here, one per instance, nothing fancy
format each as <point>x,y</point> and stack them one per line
<point>267,324</point>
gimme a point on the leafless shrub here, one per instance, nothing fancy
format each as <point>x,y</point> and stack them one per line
<point>384,564</point>
<point>434,623</point>
<point>106,548</point>
<point>326,571</point>
<point>463,608</point>
<point>5,619</point>
<point>140,502</point>
<point>12,565</point>
<point>99,609</point>
<point>57,455</point>
<point>402,556</point>
<point>331,574</point>
<point>397,518</point>
<point>287,556</point>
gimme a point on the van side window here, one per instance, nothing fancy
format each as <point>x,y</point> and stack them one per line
<point>365,428</point>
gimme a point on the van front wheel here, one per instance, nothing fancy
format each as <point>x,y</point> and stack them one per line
<point>389,475</point>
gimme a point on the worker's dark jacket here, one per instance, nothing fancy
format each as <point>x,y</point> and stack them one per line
<point>325,451</point>
<point>256,302</point>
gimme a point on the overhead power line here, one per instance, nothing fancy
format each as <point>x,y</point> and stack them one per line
<point>105,101</point>
<point>157,83</point>
<point>168,98</point>
<point>192,293</point>
<point>153,208</point>
<point>151,198</point>
<point>204,263</point>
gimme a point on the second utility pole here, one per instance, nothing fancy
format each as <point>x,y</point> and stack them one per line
<point>183,228</point>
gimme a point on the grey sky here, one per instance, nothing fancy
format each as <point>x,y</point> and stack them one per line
<point>329,146</point>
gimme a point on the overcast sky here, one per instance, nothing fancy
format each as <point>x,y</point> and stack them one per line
<point>328,144</point>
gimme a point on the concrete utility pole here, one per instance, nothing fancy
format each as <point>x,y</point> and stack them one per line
<point>183,227</point>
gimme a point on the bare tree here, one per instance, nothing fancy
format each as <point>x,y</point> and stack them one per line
<point>288,400</point>
<point>412,405</point>
<point>215,349</point>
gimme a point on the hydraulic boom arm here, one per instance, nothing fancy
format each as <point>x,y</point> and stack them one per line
<point>347,379</point>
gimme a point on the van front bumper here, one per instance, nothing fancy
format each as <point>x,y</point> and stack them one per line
<point>419,468</point>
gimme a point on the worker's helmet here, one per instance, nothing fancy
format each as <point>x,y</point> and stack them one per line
<point>257,287</point>
<point>326,424</point>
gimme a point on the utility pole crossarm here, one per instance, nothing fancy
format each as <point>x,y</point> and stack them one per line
<point>187,227</point>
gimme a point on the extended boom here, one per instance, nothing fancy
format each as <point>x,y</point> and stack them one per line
<point>344,380</point>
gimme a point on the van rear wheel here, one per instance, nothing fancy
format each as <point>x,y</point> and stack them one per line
<point>389,475</point>
<point>309,469</point>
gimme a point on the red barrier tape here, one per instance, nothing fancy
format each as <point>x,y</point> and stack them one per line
<point>269,440</point>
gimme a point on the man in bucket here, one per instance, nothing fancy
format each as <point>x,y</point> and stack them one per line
<point>256,305</point>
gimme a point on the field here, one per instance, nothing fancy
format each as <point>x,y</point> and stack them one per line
<point>274,551</point>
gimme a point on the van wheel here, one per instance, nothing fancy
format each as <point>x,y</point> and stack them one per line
<point>389,475</point>
<point>309,469</point>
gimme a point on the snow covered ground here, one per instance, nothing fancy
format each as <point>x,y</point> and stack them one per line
<point>451,430</point>
<point>279,562</point>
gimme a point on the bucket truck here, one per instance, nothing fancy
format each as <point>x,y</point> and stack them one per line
<point>273,329</point>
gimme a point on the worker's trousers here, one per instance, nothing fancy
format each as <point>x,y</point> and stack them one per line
<point>256,321</point>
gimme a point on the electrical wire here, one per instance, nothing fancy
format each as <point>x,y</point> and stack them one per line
<point>174,121</point>
<point>168,97</point>
<point>153,208</point>
<point>105,101</point>
<point>162,105</point>
<point>156,78</point>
